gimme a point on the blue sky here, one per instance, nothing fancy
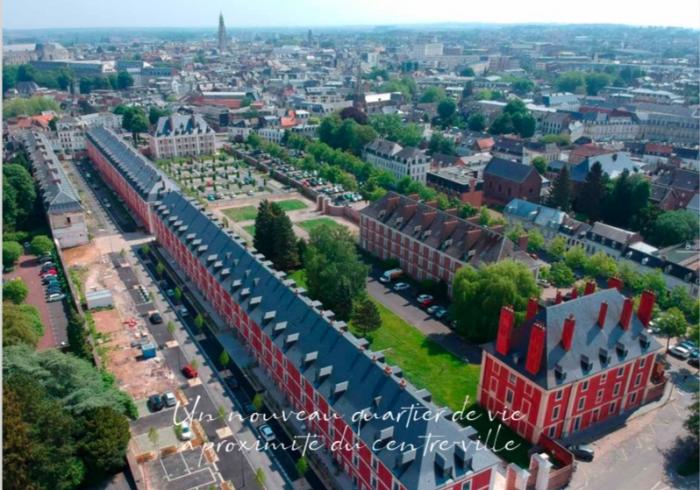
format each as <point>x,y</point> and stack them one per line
<point>259,13</point>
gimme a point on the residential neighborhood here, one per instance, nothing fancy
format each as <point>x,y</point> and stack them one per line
<point>350,248</point>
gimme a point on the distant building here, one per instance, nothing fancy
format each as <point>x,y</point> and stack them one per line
<point>61,201</point>
<point>457,181</point>
<point>222,37</point>
<point>427,242</point>
<point>181,135</point>
<point>572,365</point>
<point>399,161</point>
<point>505,180</point>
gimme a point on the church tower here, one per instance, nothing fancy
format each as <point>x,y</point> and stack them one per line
<point>223,38</point>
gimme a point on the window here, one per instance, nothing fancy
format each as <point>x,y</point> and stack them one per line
<point>637,379</point>
<point>355,460</point>
<point>612,407</point>
<point>599,396</point>
<point>373,482</point>
<point>621,371</point>
<point>633,398</point>
<point>581,402</point>
<point>375,464</point>
<point>555,413</point>
<point>577,424</point>
<point>584,386</point>
<point>642,362</point>
<point>559,395</point>
<point>511,378</point>
<point>467,485</point>
<point>396,485</point>
<point>603,378</point>
<point>552,432</point>
<point>509,396</point>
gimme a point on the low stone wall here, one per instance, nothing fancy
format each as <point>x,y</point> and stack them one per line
<point>325,205</point>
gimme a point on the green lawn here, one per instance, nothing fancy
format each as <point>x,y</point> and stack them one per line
<point>250,229</point>
<point>312,224</point>
<point>246,213</point>
<point>292,204</point>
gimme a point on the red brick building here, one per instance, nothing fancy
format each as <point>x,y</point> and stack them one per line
<point>427,242</point>
<point>505,180</point>
<point>573,364</point>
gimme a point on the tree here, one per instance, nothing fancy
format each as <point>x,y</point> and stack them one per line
<point>73,381</point>
<point>335,274</point>
<point>596,81</point>
<point>17,445</point>
<point>557,247</point>
<point>104,441</point>
<point>153,437</point>
<point>160,269</point>
<point>576,257</point>
<point>671,323</point>
<point>432,94</point>
<point>571,81</point>
<point>171,327</point>
<point>177,295</point>
<point>592,193</point>
<point>21,324</point>
<point>139,124</point>
<point>629,195</point>
<point>41,245</point>
<point>199,322</point>
<point>466,72</point>
<point>77,336</point>
<point>561,275</point>
<point>535,240</point>
<point>600,264</point>
<point>15,290</point>
<point>365,315</point>
<point>446,109</point>
<point>478,295</point>
<point>258,402</point>
<point>302,466</point>
<point>20,180</point>
<point>503,124</point>
<point>124,80</point>
<point>476,122</point>
<point>673,227</point>
<point>260,477</point>
<point>540,165</point>
<point>224,359</point>
<point>11,252</point>
<point>561,192</point>
<point>155,113</point>
<point>522,86</point>
<point>440,144</point>
<point>692,423</point>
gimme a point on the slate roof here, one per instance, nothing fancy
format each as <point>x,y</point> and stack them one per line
<point>339,366</point>
<point>134,167</point>
<point>679,178</point>
<point>613,164</point>
<point>451,235</point>
<point>57,191</point>
<point>612,233</point>
<point>181,124</point>
<point>589,340</point>
<point>543,216</point>
<point>383,147</point>
<point>508,170</point>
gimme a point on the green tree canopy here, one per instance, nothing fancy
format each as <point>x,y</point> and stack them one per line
<point>365,315</point>
<point>592,195</point>
<point>476,122</point>
<point>478,295</point>
<point>391,127</point>
<point>673,227</point>
<point>23,191</point>
<point>561,193</point>
<point>432,94</point>
<point>11,252</point>
<point>672,323</point>
<point>561,275</point>
<point>15,290</point>
<point>41,245</point>
<point>335,274</point>
<point>572,81</point>
<point>21,324</point>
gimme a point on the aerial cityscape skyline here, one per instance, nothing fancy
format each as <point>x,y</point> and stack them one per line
<point>306,13</point>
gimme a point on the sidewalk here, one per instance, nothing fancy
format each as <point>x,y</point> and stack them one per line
<point>256,459</point>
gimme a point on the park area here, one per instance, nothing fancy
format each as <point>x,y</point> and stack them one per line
<point>248,213</point>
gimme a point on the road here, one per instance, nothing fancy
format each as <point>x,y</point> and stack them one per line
<point>649,447</point>
<point>404,305</point>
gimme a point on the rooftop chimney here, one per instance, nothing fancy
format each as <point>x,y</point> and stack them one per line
<point>505,327</point>
<point>522,242</point>
<point>531,309</point>
<point>615,282</point>
<point>558,299</point>
<point>535,348</point>
<point>590,288</point>
<point>601,313</point>
<point>626,314</point>
<point>567,335</point>
<point>646,307</point>
<point>574,292</point>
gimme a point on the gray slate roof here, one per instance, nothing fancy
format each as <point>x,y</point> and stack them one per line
<point>134,167</point>
<point>509,170</point>
<point>57,191</point>
<point>453,236</point>
<point>338,364</point>
<point>588,340</point>
<point>179,124</point>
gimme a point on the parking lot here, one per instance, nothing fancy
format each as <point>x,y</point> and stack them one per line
<point>185,470</point>
<point>53,314</point>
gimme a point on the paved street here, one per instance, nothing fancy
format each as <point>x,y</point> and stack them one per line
<point>403,305</point>
<point>649,447</point>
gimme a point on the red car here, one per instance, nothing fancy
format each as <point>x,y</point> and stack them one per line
<point>50,272</point>
<point>189,372</point>
<point>425,300</point>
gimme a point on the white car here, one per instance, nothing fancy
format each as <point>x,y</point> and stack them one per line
<point>401,286</point>
<point>680,351</point>
<point>55,297</point>
<point>169,399</point>
<point>185,431</point>
<point>266,433</point>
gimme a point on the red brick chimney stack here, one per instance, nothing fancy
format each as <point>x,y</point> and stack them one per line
<point>567,335</point>
<point>558,299</point>
<point>626,314</point>
<point>531,309</point>
<point>590,288</point>
<point>505,328</point>
<point>602,313</point>
<point>646,307</point>
<point>615,282</point>
<point>535,348</point>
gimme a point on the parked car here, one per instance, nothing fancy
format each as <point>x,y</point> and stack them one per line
<point>694,357</point>
<point>582,452</point>
<point>232,382</point>
<point>169,293</point>
<point>155,404</point>
<point>49,280</point>
<point>55,297</point>
<point>169,399</point>
<point>440,313</point>
<point>689,344</point>
<point>401,286</point>
<point>425,300</point>
<point>432,309</point>
<point>390,275</point>
<point>183,311</point>
<point>155,318</point>
<point>189,372</point>
<point>47,265</point>
<point>53,288</point>
<point>49,272</point>
<point>267,433</point>
<point>679,351</point>
<point>185,431</point>
<point>45,258</point>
